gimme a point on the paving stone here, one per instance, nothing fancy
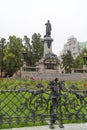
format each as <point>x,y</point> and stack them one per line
<point>81,126</point>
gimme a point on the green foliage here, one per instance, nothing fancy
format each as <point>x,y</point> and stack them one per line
<point>19,125</point>
<point>34,50</point>
<point>67,62</point>
<point>37,47</point>
<point>79,84</point>
<point>7,83</point>
<point>13,55</point>
<point>79,61</point>
<point>28,49</point>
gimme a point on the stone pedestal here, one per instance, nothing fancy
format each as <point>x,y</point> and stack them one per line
<point>47,45</point>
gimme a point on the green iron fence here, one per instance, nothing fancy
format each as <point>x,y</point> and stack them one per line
<point>56,104</point>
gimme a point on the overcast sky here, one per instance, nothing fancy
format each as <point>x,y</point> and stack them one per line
<point>25,17</point>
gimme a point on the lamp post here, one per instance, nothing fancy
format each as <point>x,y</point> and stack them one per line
<point>25,59</point>
<point>25,56</point>
<point>2,42</point>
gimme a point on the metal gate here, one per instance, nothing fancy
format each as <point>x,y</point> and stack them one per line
<point>55,104</point>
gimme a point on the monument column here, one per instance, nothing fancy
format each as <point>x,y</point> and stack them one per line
<point>47,45</point>
<point>47,39</point>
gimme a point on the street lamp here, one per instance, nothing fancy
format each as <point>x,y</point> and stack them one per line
<point>25,59</point>
<point>25,56</point>
<point>2,42</point>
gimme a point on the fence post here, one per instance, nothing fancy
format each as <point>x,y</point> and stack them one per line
<point>60,105</point>
<point>53,104</point>
<point>56,88</point>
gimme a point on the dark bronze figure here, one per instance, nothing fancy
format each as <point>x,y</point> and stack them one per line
<point>48,29</point>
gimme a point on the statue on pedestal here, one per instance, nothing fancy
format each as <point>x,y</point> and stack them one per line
<point>48,29</point>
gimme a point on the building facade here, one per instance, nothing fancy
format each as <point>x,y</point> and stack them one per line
<point>73,45</point>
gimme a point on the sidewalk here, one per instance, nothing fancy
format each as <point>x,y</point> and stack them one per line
<point>81,126</point>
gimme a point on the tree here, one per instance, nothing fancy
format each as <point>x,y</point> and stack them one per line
<point>37,48</point>
<point>79,61</point>
<point>2,46</point>
<point>67,61</point>
<point>28,49</point>
<point>13,55</point>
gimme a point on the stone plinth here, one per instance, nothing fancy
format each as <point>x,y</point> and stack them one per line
<point>47,45</point>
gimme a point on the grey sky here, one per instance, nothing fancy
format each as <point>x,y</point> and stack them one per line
<point>25,17</point>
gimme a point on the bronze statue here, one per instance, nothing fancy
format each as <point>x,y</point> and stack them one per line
<point>48,29</point>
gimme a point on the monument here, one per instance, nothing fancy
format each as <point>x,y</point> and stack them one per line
<point>48,65</point>
<point>47,39</point>
<point>49,62</point>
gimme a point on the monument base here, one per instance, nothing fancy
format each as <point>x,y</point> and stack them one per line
<point>47,45</point>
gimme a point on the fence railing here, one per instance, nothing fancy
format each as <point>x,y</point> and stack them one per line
<point>56,104</point>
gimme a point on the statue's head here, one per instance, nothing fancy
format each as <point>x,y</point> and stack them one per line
<point>48,21</point>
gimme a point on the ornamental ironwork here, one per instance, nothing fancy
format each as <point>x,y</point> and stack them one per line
<point>54,105</point>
